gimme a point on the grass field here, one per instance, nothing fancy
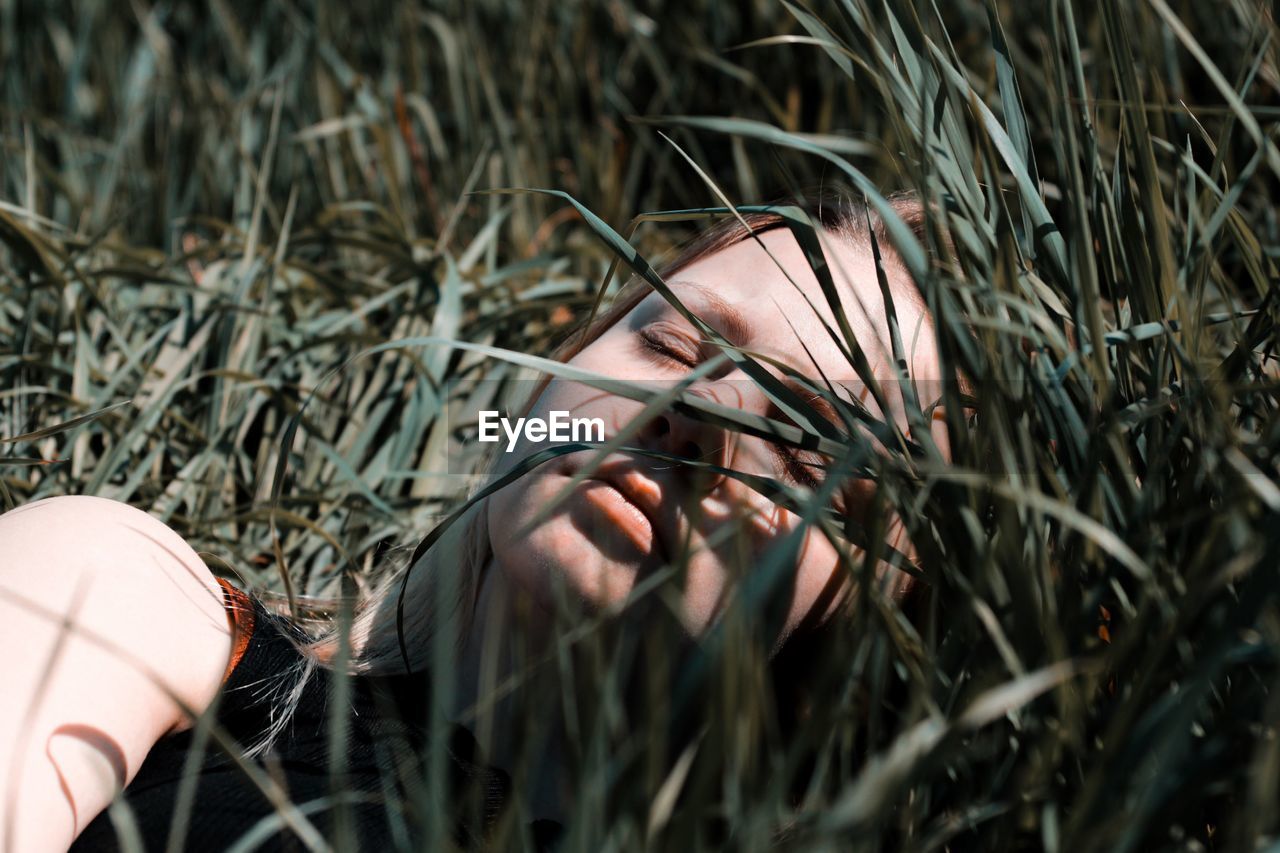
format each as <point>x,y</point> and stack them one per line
<point>211,212</point>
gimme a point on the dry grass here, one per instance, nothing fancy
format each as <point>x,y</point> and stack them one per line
<point>209,216</point>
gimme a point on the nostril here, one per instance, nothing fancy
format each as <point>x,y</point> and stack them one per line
<point>691,451</point>
<point>661,425</point>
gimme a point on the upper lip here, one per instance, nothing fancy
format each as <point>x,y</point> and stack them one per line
<point>639,490</point>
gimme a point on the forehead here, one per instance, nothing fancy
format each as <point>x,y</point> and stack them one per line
<point>772,288</point>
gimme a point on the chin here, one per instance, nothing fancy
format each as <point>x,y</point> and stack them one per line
<point>557,554</point>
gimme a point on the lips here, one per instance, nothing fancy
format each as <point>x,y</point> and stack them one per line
<point>639,492</point>
<point>623,515</point>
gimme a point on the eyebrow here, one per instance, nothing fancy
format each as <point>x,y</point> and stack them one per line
<point>733,325</point>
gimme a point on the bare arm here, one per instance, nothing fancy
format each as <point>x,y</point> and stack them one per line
<point>100,605</point>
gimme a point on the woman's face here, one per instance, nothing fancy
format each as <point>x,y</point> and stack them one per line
<point>632,516</point>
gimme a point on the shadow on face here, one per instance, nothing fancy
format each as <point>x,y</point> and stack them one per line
<point>637,516</point>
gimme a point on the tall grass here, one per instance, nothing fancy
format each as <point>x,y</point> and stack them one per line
<point>210,213</point>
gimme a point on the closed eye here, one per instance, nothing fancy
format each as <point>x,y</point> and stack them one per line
<point>668,348</point>
<point>805,467</point>
<point>809,470</point>
<point>800,469</point>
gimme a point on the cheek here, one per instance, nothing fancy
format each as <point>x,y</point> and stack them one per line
<point>571,401</point>
<point>558,396</point>
<point>819,579</point>
<point>531,559</point>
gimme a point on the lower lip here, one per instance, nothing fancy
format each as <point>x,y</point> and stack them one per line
<point>625,515</point>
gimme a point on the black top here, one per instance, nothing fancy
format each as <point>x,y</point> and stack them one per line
<point>384,757</point>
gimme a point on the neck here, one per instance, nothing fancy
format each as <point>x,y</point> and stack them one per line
<point>496,691</point>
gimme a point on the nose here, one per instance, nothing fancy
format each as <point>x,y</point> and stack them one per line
<point>685,436</point>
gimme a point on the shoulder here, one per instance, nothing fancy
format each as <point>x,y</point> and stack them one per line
<point>129,578</point>
<point>123,635</point>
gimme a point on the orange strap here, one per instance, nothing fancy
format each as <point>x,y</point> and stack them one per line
<point>240,616</point>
